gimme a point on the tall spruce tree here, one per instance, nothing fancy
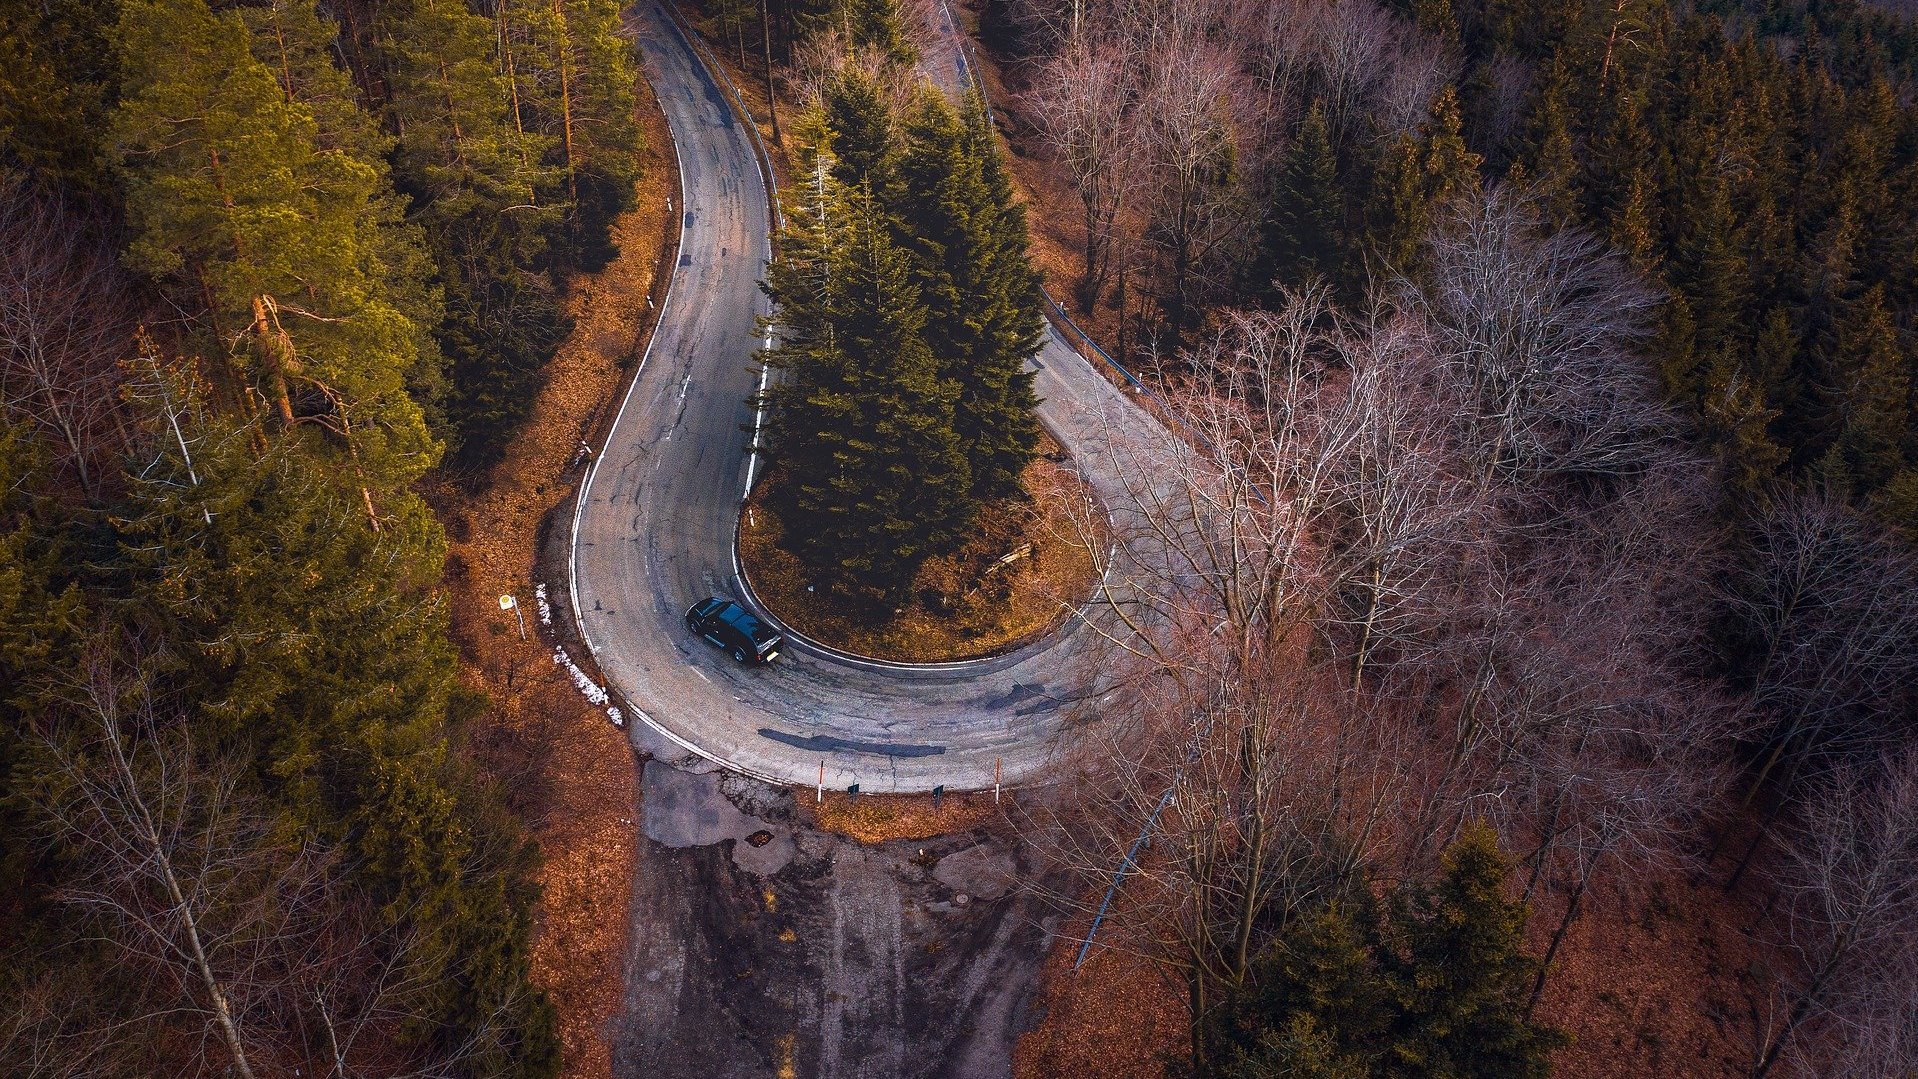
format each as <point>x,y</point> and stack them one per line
<point>1306,225</point>
<point>861,423</point>
<point>1459,971</point>
<point>1421,175</point>
<point>1430,980</point>
<point>967,235</point>
<point>858,131</point>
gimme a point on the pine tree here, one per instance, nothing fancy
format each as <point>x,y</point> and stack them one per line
<point>877,25</point>
<point>1306,231</point>
<point>233,205</point>
<point>476,178</point>
<point>1461,975</point>
<point>859,132</point>
<point>1321,1004</point>
<point>1418,177</point>
<point>57,80</point>
<point>1734,424</point>
<point>298,45</point>
<point>1429,980</point>
<point>1551,165</point>
<point>957,217</point>
<point>1867,398</point>
<point>570,78</point>
<point>861,424</point>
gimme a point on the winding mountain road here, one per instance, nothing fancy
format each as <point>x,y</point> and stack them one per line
<point>655,522</point>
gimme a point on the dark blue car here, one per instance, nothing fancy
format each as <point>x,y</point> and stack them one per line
<point>734,628</point>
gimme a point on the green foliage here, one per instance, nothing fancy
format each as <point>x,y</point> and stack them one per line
<point>1460,973</point>
<point>1306,232</point>
<point>235,208</point>
<point>1418,177</point>
<point>905,403</point>
<point>57,79</point>
<point>480,188</point>
<point>858,132</point>
<point>600,107</point>
<point>1794,274</point>
<point>1432,981</point>
<point>297,44</point>
<point>871,26</point>
<point>861,423</point>
<point>338,219</point>
<point>310,646</point>
<point>967,236</point>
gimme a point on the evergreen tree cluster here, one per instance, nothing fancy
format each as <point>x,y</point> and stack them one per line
<point>1758,161</point>
<point>1430,980</point>
<point>1349,209</point>
<point>496,143</point>
<point>1769,183</point>
<point>906,313</point>
<point>350,221</point>
<point>875,28</point>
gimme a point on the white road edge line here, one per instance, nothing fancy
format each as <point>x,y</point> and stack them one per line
<point>759,418</point>
<point>592,472</point>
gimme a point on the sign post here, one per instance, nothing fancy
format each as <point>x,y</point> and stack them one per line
<point>508,603</point>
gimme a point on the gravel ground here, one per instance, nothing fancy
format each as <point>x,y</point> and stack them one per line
<point>761,947</point>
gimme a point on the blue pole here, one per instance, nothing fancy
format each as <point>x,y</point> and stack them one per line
<point>1130,857</point>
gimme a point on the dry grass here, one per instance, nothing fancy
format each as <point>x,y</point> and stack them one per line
<point>558,760</point>
<point>1117,1017</point>
<point>877,818</point>
<point>962,605</point>
<point>1659,983</point>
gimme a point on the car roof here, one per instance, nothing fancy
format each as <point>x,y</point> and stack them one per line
<point>735,615</point>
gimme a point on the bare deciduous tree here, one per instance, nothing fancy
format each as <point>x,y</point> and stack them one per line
<point>1086,101</point>
<point>1828,608</point>
<point>1193,122</point>
<point>1537,330</point>
<point>1851,870</point>
<point>63,330</point>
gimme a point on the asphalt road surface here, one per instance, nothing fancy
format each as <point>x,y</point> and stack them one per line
<point>654,528</point>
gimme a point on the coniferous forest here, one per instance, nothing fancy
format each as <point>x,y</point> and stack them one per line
<point>263,267</point>
<point>906,312</point>
<point>1500,521</point>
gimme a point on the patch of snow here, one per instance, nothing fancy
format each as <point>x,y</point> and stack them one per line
<point>591,690</point>
<point>545,609</point>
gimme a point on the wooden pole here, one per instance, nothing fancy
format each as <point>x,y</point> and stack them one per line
<point>995,780</point>
<point>819,795</point>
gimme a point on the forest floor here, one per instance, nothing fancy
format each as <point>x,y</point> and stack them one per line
<point>965,604</point>
<point>1666,981</point>
<point>558,760</point>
